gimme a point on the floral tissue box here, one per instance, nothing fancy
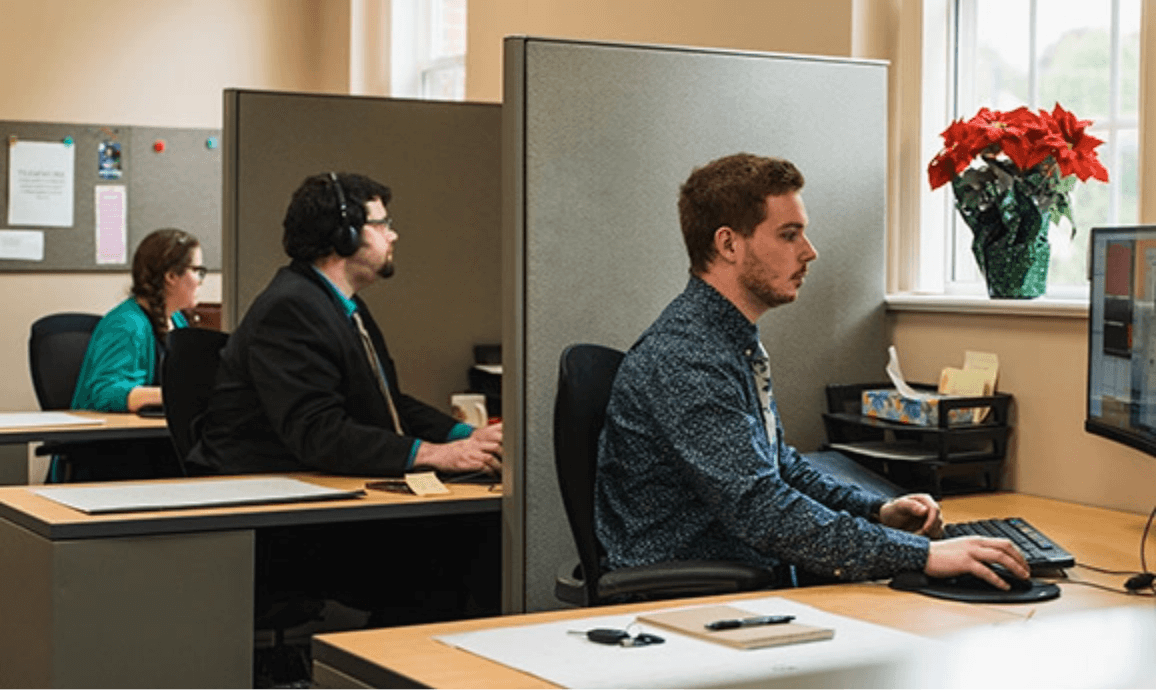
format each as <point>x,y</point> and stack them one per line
<point>887,403</point>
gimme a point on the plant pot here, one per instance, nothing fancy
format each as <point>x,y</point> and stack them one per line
<point>1010,245</point>
<point>1014,271</point>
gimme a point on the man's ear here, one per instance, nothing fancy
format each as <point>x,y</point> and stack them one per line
<point>726,244</point>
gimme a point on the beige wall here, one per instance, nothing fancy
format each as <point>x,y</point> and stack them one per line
<point>815,27</point>
<point>1043,363</point>
<point>161,63</point>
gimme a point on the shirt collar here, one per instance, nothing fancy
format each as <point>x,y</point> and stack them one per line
<point>725,316</point>
<point>347,305</point>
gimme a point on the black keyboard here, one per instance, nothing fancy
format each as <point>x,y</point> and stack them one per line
<point>1040,551</point>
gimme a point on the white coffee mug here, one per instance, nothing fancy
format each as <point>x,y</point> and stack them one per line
<point>470,408</point>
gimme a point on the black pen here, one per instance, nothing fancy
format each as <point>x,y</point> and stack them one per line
<point>747,622</point>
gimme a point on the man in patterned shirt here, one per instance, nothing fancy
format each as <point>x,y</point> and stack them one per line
<point>692,462</point>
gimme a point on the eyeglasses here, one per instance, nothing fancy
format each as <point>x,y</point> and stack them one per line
<point>386,222</point>
<point>201,272</point>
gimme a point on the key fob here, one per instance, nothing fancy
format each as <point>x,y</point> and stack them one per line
<point>606,635</point>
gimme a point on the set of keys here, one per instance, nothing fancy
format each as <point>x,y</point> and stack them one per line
<point>622,638</point>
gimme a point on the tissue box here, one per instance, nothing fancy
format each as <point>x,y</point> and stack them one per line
<point>890,405</point>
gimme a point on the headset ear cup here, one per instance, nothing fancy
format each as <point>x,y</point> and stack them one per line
<point>346,240</point>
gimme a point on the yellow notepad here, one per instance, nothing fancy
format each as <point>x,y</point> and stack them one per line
<point>693,622</point>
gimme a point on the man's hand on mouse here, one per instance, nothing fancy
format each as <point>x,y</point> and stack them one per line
<point>950,557</point>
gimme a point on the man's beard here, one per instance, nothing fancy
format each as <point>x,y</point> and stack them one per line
<point>386,269</point>
<point>755,283</point>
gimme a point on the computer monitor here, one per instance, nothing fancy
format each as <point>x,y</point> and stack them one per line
<point>1122,336</point>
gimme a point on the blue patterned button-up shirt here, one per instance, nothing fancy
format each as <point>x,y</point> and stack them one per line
<point>686,470</point>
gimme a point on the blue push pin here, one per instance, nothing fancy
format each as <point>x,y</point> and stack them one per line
<point>68,141</point>
<point>211,143</point>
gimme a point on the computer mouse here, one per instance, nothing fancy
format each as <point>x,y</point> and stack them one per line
<point>1018,584</point>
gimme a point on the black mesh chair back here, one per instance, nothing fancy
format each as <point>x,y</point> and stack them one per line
<point>586,374</point>
<point>187,375</point>
<point>56,347</point>
<point>585,378</point>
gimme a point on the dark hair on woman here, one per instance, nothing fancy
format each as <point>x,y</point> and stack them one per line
<point>730,191</point>
<point>314,214</point>
<point>164,251</point>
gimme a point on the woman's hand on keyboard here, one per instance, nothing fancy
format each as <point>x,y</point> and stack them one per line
<point>950,557</point>
<point>918,513</point>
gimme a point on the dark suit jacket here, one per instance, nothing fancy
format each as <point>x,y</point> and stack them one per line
<point>295,391</point>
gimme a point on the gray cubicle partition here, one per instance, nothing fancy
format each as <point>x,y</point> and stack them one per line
<point>171,177</point>
<point>597,139</point>
<point>442,162</point>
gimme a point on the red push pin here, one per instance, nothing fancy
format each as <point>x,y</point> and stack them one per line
<point>159,145</point>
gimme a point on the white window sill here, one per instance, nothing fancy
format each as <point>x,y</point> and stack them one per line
<point>973,304</point>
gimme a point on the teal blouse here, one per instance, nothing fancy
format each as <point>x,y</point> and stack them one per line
<point>121,356</point>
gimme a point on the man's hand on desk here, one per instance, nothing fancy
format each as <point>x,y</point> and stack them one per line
<point>950,557</point>
<point>482,450</point>
<point>918,513</point>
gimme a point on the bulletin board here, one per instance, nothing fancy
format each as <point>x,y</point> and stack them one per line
<point>123,183</point>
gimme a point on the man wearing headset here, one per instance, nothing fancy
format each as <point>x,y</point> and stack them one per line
<point>306,381</point>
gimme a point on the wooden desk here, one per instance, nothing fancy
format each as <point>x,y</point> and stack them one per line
<point>115,426</point>
<point>155,599</point>
<point>405,657</point>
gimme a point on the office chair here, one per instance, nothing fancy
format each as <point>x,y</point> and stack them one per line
<point>56,347</point>
<point>585,376</point>
<point>187,375</point>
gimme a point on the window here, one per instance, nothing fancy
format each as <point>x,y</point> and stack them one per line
<point>1084,54</point>
<point>428,49</point>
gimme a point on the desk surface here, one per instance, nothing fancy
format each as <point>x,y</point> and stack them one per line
<point>113,426</point>
<point>1096,536</point>
<point>54,521</point>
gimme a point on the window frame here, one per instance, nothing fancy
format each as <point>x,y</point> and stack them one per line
<point>922,261</point>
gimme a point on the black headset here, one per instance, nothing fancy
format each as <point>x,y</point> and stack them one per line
<point>347,237</point>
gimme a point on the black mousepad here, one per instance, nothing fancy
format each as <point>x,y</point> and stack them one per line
<point>976,591</point>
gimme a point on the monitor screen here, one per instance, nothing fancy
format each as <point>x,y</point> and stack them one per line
<point>1122,336</point>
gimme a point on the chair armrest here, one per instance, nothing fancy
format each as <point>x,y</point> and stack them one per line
<point>684,578</point>
<point>570,585</point>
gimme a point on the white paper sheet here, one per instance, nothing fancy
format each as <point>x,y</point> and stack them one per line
<point>12,420</point>
<point>124,497</point>
<point>23,245</point>
<point>860,655</point>
<point>40,183</point>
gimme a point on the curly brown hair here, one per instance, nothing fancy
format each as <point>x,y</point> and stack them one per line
<point>730,191</point>
<point>163,251</point>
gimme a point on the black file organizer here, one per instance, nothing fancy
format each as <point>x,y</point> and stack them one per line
<point>943,459</point>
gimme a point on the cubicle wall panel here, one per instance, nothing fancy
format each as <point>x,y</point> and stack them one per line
<point>442,162</point>
<point>610,133</point>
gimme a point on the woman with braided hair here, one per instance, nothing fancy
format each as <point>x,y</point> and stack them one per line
<point>122,364</point>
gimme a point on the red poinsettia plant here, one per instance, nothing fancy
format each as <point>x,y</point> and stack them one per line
<point>1027,139</point>
<point>997,154</point>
